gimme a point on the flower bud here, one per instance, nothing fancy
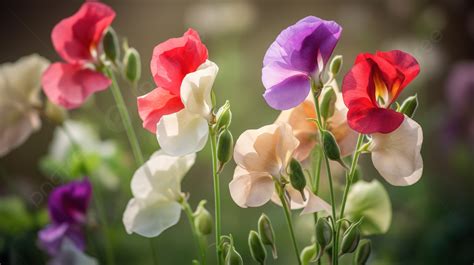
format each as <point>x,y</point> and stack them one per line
<point>265,230</point>
<point>308,254</point>
<point>409,106</point>
<point>336,65</point>
<point>350,239</point>
<point>111,44</point>
<point>331,149</point>
<point>203,219</point>
<point>233,257</point>
<point>297,178</point>
<point>195,262</point>
<point>363,252</point>
<point>328,103</point>
<point>224,116</point>
<point>132,65</point>
<point>55,113</point>
<point>257,250</point>
<point>225,146</point>
<point>323,233</point>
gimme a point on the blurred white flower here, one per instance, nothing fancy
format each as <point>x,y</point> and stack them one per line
<point>20,84</point>
<point>71,255</point>
<point>156,189</point>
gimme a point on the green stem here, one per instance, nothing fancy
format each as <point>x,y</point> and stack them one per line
<point>132,137</point>
<point>97,198</point>
<point>286,208</point>
<point>217,196</point>
<point>349,179</point>
<point>197,237</point>
<point>315,185</point>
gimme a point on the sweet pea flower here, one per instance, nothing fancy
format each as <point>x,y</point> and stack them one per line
<point>76,39</point>
<point>20,100</point>
<point>156,189</point>
<point>69,254</point>
<point>179,109</point>
<point>67,207</point>
<point>306,130</point>
<point>297,55</point>
<point>372,85</point>
<point>262,158</point>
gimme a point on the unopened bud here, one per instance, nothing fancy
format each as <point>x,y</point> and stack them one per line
<point>55,113</point>
<point>195,262</point>
<point>225,146</point>
<point>350,240</point>
<point>111,44</point>
<point>363,252</point>
<point>224,116</point>
<point>203,219</point>
<point>265,230</point>
<point>297,178</point>
<point>331,148</point>
<point>233,257</point>
<point>308,254</point>
<point>328,103</point>
<point>132,65</point>
<point>257,250</point>
<point>336,65</point>
<point>409,106</point>
<point>323,233</point>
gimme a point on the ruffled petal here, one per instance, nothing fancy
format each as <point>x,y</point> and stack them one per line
<point>156,104</point>
<point>289,93</point>
<point>182,133</point>
<point>69,203</point>
<point>74,37</point>
<point>69,85</point>
<point>404,63</point>
<point>175,58</point>
<point>251,189</point>
<point>396,155</point>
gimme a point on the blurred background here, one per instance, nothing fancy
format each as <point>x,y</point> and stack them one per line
<point>433,220</point>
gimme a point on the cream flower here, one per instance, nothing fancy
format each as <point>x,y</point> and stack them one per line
<point>187,130</point>
<point>307,131</point>
<point>20,84</point>
<point>396,155</point>
<point>262,157</point>
<point>156,189</point>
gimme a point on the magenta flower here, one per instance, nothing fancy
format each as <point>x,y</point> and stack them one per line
<point>76,40</point>
<point>67,207</point>
<point>298,54</point>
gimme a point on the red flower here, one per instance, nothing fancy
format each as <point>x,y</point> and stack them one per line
<point>372,85</point>
<point>172,60</point>
<point>76,39</point>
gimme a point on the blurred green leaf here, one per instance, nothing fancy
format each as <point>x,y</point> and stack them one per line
<point>15,217</point>
<point>371,201</point>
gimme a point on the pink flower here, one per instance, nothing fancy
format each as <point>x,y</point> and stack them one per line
<point>76,40</point>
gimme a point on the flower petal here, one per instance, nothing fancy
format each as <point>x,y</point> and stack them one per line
<point>196,89</point>
<point>396,155</point>
<point>74,37</point>
<point>251,189</point>
<point>175,58</point>
<point>15,132</point>
<point>315,204</point>
<point>405,63</point>
<point>69,85</point>
<point>71,255</point>
<point>182,133</point>
<point>150,219</point>
<point>156,104</point>
<point>69,203</point>
<point>312,203</point>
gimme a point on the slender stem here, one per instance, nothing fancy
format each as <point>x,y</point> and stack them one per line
<point>217,196</point>
<point>132,137</point>
<point>349,179</point>
<point>197,237</point>
<point>97,198</point>
<point>286,208</point>
<point>315,184</point>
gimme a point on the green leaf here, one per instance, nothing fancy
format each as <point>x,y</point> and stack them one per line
<point>15,217</point>
<point>371,201</point>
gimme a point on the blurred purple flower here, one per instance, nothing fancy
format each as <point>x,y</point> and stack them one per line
<point>67,206</point>
<point>298,54</point>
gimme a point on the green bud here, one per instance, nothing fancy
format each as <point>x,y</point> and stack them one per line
<point>265,230</point>
<point>55,113</point>
<point>363,252</point>
<point>409,106</point>
<point>132,65</point>
<point>233,257</point>
<point>257,250</point>
<point>111,44</point>
<point>224,116</point>
<point>336,65</point>
<point>350,239</point>
<point>195,262</point>
<point>323,233</point>
<point>328,103</point>
<point>225,146</point>
<point>203,219</point>
<point>297,178</point>
<point>308,254</point>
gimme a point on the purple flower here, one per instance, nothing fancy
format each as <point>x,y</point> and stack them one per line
<point>67,206</point>
<point>298,54</point>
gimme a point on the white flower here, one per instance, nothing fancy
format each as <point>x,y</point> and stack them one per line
<point>20,84</point>
<point>156,188</point>
<point>186,131</point>
<point>396,155</point>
